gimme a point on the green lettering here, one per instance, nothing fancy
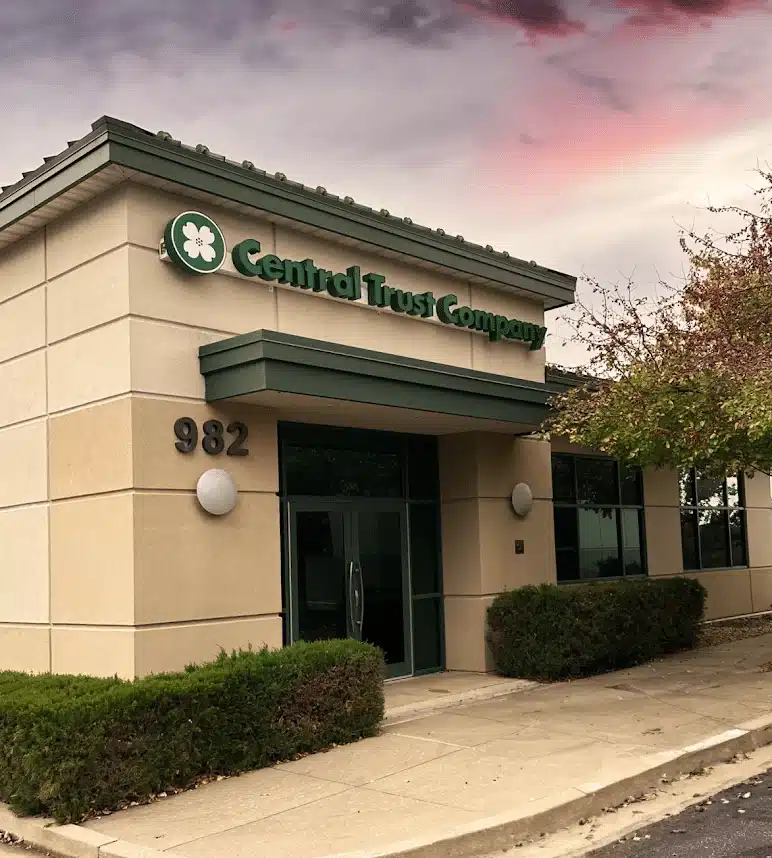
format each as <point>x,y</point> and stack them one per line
<point>322,277</point>
<point>430,302</point>
<point>271,267</point>
<point>528,332</point>
<point>465,317</point>
<point>538,341</point>
<point>419,305</point>
<point>402,302</point>
<point>336,286</point>
<point>294,273</point>
<point>485,322</point>
<point>502,328</point>
<point>240,256</point>
<point>356,282</point>
<point>515,330</point>
<point>311,271</point>
<point>374,284</point>
<point>342,286</point>
<point>444,313</point>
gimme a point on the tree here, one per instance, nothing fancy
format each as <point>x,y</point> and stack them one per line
<point>683,378</point>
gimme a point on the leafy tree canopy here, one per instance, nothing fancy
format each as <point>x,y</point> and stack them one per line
<point>683,379</point>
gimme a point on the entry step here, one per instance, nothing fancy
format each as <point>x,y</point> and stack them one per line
<point>418,696</point>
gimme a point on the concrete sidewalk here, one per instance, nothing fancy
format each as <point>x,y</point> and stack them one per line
<point>479,776</point>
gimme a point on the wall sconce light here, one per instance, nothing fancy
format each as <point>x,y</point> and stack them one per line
<point>522,499</point>
<point>216,491</point>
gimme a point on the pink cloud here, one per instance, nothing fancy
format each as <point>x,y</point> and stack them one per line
<point>535,17</point>
<point>579,143</point>
<point>538,18</point>
<point>678,13</point>
<point>615,96</point>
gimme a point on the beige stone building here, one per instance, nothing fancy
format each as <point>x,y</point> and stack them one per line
<point>173,324</point>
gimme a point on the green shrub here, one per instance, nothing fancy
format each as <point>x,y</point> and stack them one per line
<point>559,632</point>
<point>72,745</point>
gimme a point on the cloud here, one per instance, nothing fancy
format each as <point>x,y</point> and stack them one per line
<point>536,17</point>
<point>320,100</point>
<point>659,13</point>
<point>94,29</point>
<point>605,85</point>
<point>529,125</point>
<point>529,139</point>
<point>91,32</point>
<point>411,20</point>
<point>539,18</point>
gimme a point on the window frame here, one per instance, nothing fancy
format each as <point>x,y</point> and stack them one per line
<point>620,506</point>
<point>696,508</point>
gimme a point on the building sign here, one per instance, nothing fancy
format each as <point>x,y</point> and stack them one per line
<point>195,244</point>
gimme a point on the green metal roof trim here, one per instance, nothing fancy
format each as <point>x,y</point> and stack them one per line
<point>266,360</point>
<point>560,380</point>
<point>112,141</point>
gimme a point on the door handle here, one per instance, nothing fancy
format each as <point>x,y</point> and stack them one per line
<point>360,598</point>
<point>356,598</point>
<point>350,592</point>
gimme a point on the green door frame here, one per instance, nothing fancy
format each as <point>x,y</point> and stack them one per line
<point>350,508</point>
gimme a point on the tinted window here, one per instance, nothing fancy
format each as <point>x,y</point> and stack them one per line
<point>737,538</point>
<point>632,486</point>
<point>427,633</point>
<point>712,522</point>
<point>422,468</point>
<point>598,544</point>
<point>632,540</point>
<point>424,549</point>
<point>714,539</point>
<point>733,492</point>
<point>689,539</point>
<point>565,527</point>
<point>710,491</point>
<point>328,471</point>
<point>686,489</point>
<point>596,481</point>
<point>563,478</point>
<point>567,566</point>
<point>599,528</point>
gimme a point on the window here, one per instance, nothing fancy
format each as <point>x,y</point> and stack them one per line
<point>598,507</point>
<point>712,522</point>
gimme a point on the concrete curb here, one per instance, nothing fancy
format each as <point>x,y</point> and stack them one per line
<point>69,841</point>
<point>411,711</point>
<point>549,815</point>
<point>545,816</point>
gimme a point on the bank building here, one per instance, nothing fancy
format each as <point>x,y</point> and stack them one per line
<point>235,410</point>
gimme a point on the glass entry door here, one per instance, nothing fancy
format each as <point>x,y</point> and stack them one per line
<point>348,575</point>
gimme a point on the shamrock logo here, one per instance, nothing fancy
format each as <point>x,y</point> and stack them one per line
<point>195,243</point>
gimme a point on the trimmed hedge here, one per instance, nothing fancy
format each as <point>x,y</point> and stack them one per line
<point>554,632</point>
<point>73,745</point>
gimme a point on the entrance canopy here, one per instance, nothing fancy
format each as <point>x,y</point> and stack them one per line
<point>312,379</point>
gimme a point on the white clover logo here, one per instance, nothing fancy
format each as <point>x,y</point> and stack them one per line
<point>199,242</point>
<point>195,243</point>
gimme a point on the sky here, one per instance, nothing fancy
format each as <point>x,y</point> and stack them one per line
<point>577,133</point>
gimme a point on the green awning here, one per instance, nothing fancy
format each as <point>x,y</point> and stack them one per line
<point>269,361</point>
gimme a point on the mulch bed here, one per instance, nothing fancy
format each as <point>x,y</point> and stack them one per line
<point>727,631</point>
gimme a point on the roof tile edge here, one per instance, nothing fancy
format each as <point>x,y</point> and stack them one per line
<point>110,128</point>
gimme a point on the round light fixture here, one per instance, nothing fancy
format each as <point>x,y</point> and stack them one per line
<point>522,499</point>
<point>216,491</point>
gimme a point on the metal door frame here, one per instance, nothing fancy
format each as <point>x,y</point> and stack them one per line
<point>349,508</point>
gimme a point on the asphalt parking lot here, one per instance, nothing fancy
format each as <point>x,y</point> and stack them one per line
<point>735,823</point>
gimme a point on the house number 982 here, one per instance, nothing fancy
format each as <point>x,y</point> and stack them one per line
<point>213,441</point>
